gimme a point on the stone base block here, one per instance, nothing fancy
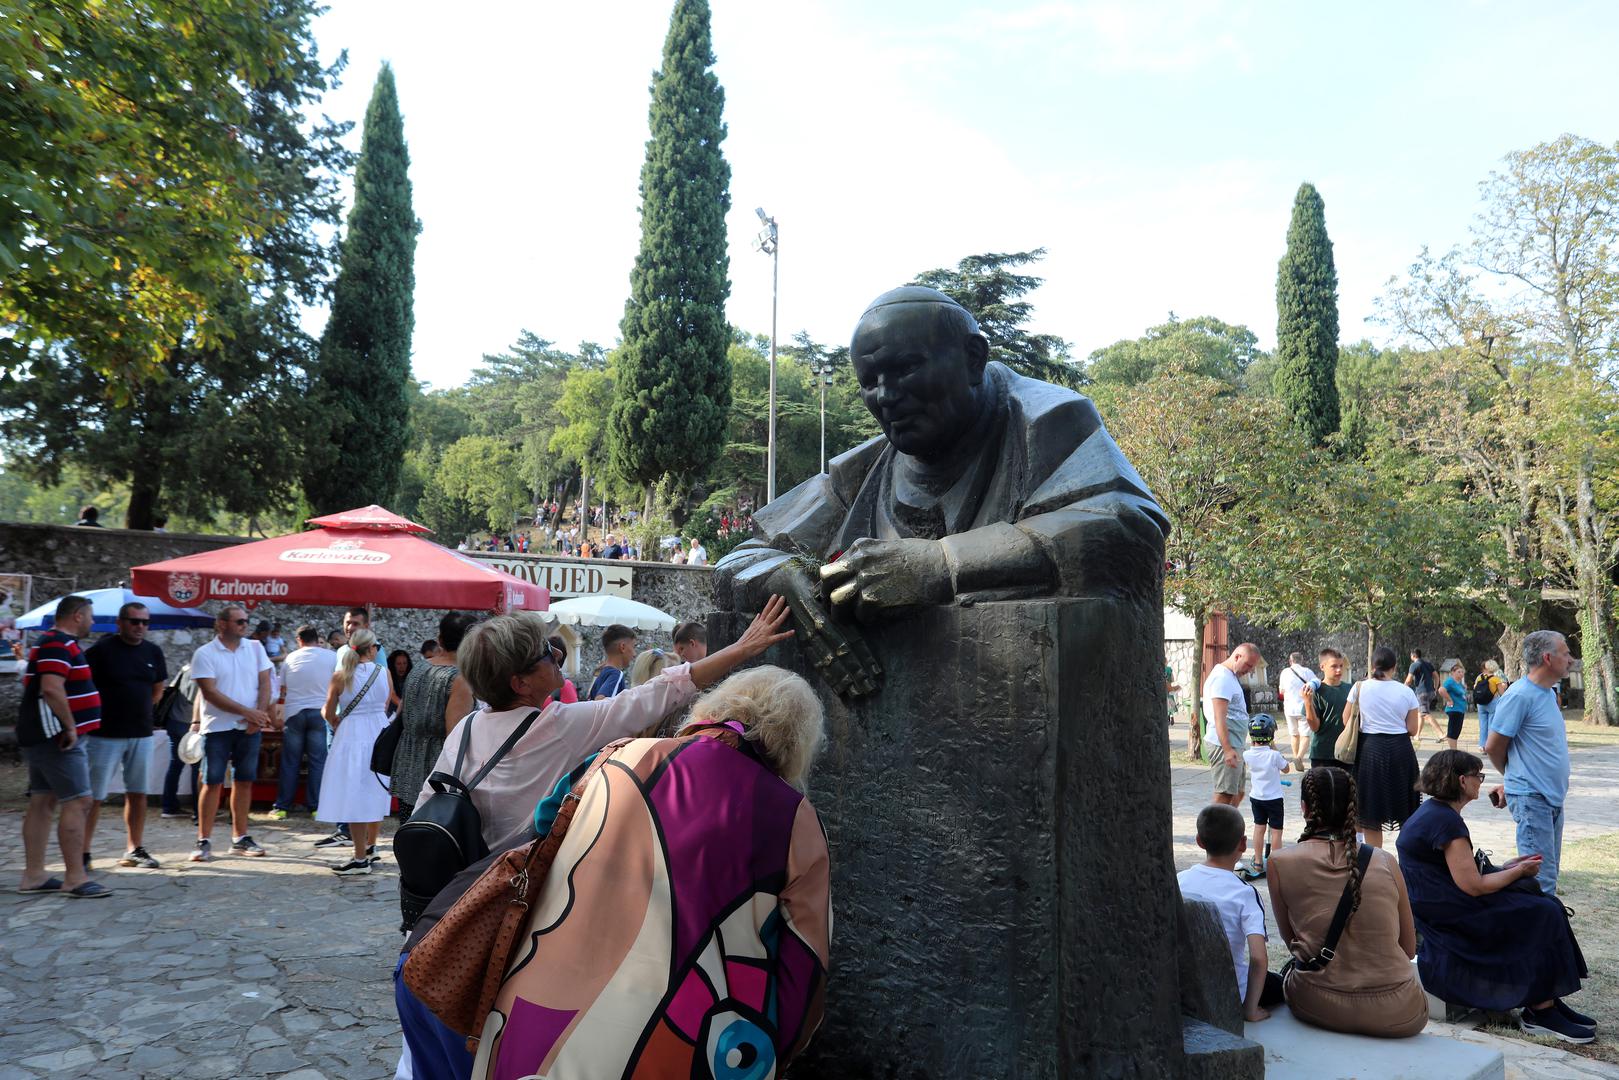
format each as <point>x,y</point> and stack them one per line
<point>1000,826</point>
<point>1216,1054</point>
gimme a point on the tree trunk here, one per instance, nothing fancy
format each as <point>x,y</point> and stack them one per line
<point>145,485</point>
<point>1371,644</point>
<point>584,502</point>
<point>1200,623</point>
<point>1583,530</point>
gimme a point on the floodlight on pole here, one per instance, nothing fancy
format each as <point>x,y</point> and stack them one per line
<point>823,371</point>
<point>766,242</point>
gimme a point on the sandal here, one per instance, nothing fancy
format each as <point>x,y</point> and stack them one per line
<point>90,890</point>
<point>49,885</point>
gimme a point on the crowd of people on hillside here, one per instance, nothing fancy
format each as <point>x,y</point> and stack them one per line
<point>1486,937</point>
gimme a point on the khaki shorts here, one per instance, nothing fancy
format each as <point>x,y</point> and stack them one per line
<point>1227,781</point>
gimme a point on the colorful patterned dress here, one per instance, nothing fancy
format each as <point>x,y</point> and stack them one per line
<point>682,931</point>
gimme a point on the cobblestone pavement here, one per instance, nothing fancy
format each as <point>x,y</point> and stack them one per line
<point>1591,811</point>
<point>234,968</point>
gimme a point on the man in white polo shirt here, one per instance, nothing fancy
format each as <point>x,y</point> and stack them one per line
<point>306,673</point>
<point>233,680</point>
<point>1295,677</point>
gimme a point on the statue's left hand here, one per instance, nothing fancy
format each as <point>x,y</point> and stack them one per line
<point>878,580</point>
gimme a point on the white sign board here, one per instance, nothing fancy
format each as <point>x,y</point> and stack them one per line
<point>565,579</point>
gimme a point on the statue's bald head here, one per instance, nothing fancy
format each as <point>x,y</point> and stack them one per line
<point>920,360</point>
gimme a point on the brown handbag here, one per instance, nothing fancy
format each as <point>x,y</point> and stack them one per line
<point>457,968</point>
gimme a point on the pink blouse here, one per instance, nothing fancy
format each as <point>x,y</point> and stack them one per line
<point>561,737</point>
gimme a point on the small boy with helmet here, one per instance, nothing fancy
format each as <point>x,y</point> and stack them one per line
<point>1265,767</point>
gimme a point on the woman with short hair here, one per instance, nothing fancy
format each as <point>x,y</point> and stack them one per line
<point>1386,762</point>
<point>1367,987</point>
<point>357,709</point>
<point>1489,940</point>
<point>687,929</point>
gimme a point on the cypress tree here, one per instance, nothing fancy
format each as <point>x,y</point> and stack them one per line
<point>1307,321</point>
<point>673,393</point>
<point>360,389</point>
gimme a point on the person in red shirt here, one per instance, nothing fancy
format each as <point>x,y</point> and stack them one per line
<point>60,704</point>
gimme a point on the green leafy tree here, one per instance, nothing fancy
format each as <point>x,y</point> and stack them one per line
<point>989,287</point>
<point>1226,470</point>
<point>1203,346</point>
<point>131,188</point>
<point>1307,321</point>
<point>478,474</point>
<point>219,429</point>
<point>673,382</point>
<point>581,436</point>
<point>364,366</point>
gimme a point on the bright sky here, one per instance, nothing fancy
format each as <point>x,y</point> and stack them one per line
<point>1153,148</point>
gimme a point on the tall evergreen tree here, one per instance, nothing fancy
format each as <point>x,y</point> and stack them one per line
<point>361,396</point>
<point>674,384</point>
<point>1307,321</point>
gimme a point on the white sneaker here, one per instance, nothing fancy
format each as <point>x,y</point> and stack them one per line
<point>353,866</point>
<point>204,852</point>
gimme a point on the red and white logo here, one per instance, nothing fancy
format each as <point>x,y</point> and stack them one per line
<point>185,589</point>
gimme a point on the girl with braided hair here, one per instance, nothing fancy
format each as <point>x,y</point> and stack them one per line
<point>1368,986</point>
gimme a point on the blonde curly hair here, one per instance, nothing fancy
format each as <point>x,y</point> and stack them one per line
<point>777,710</point>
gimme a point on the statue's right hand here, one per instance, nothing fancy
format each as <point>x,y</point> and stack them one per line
<point>837,651</point>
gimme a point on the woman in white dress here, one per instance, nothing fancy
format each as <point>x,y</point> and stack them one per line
<point>357,709</point>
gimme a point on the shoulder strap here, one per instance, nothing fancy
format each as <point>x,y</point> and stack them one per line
<point>1340,917</point>
<point>511,741</point>
<point>355,700</point>
<point>466,741</point>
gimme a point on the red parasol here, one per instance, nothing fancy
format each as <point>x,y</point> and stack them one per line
<point>367,556</point>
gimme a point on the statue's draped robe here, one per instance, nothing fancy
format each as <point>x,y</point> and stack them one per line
<point>1047,488</point>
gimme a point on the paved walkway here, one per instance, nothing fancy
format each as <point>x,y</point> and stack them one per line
<point>1592,810</point>
<point>235,968</point>
<point>275,967</point>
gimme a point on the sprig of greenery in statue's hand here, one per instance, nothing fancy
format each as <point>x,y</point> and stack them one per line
<point>838,651</point>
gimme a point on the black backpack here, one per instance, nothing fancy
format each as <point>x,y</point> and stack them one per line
<point>1482,694</point>
<point>445,832</point>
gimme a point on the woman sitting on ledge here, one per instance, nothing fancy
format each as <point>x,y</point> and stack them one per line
<point>1367,987</point>
<point>1487,942</point>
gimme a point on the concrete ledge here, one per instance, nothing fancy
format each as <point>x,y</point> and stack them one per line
<point>1296,1051</point>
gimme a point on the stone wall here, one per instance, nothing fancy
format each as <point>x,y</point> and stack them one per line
<point>65,558</point>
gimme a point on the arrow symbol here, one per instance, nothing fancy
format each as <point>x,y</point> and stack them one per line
<point>620,582</point>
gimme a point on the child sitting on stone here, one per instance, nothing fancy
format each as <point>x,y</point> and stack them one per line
<point>1266,765</point>
<point>1220,831</point>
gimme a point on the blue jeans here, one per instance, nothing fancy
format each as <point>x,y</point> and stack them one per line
<point>1485,712</point>
<point>436,1052</point>
<point>171,781</point>
<point>235,748</point>
<point>1540,832</point>
<point>305,733</point>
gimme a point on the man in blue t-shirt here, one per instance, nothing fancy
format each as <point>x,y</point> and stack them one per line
<point>618,643</point>
<point>1528,743</point>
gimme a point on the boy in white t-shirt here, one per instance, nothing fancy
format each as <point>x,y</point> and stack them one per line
<point>1266,765</point>
<point>1214,881</point>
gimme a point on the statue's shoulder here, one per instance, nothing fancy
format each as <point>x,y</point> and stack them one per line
<point>849,469</point>
<point>1050,413</point>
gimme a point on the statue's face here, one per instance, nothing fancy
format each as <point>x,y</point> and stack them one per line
<point>919,376</point>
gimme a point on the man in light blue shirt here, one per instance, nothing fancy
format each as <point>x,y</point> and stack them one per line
<point>1528,743</point>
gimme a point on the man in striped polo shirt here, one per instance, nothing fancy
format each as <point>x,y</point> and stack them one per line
<point>59,704</point>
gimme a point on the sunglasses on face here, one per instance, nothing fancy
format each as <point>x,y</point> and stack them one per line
<point>138,622</point>
<point>548,652</point>
<point>234,622</point>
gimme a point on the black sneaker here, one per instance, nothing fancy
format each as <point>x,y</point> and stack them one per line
<point>357,866</point>
<point>334,840</point>
<point>86,862</point>
<point>138,857</point>
<point>246,846</point>
<point>1555,1024</point>
<point>371,855</point>
<point>1569,1014</point>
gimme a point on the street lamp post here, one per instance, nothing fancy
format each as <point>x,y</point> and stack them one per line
<point>766,242</point>
<point>823,376</point>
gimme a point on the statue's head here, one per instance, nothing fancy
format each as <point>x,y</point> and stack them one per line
<point>920,360</point>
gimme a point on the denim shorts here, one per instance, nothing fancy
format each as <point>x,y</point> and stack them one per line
<point>236,748</point>
<point>107,756</point>
<point>63,773</point>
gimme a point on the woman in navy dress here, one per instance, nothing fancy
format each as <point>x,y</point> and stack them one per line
<point>1484,944</point>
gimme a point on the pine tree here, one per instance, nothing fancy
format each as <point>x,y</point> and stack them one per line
<point>361,380</point>
<point>1307,321</point>
<point>673,395</point>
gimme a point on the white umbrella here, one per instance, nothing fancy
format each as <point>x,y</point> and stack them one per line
<point>602,610</point>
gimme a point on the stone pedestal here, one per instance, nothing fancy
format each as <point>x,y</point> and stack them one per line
<point>1002,879</point>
